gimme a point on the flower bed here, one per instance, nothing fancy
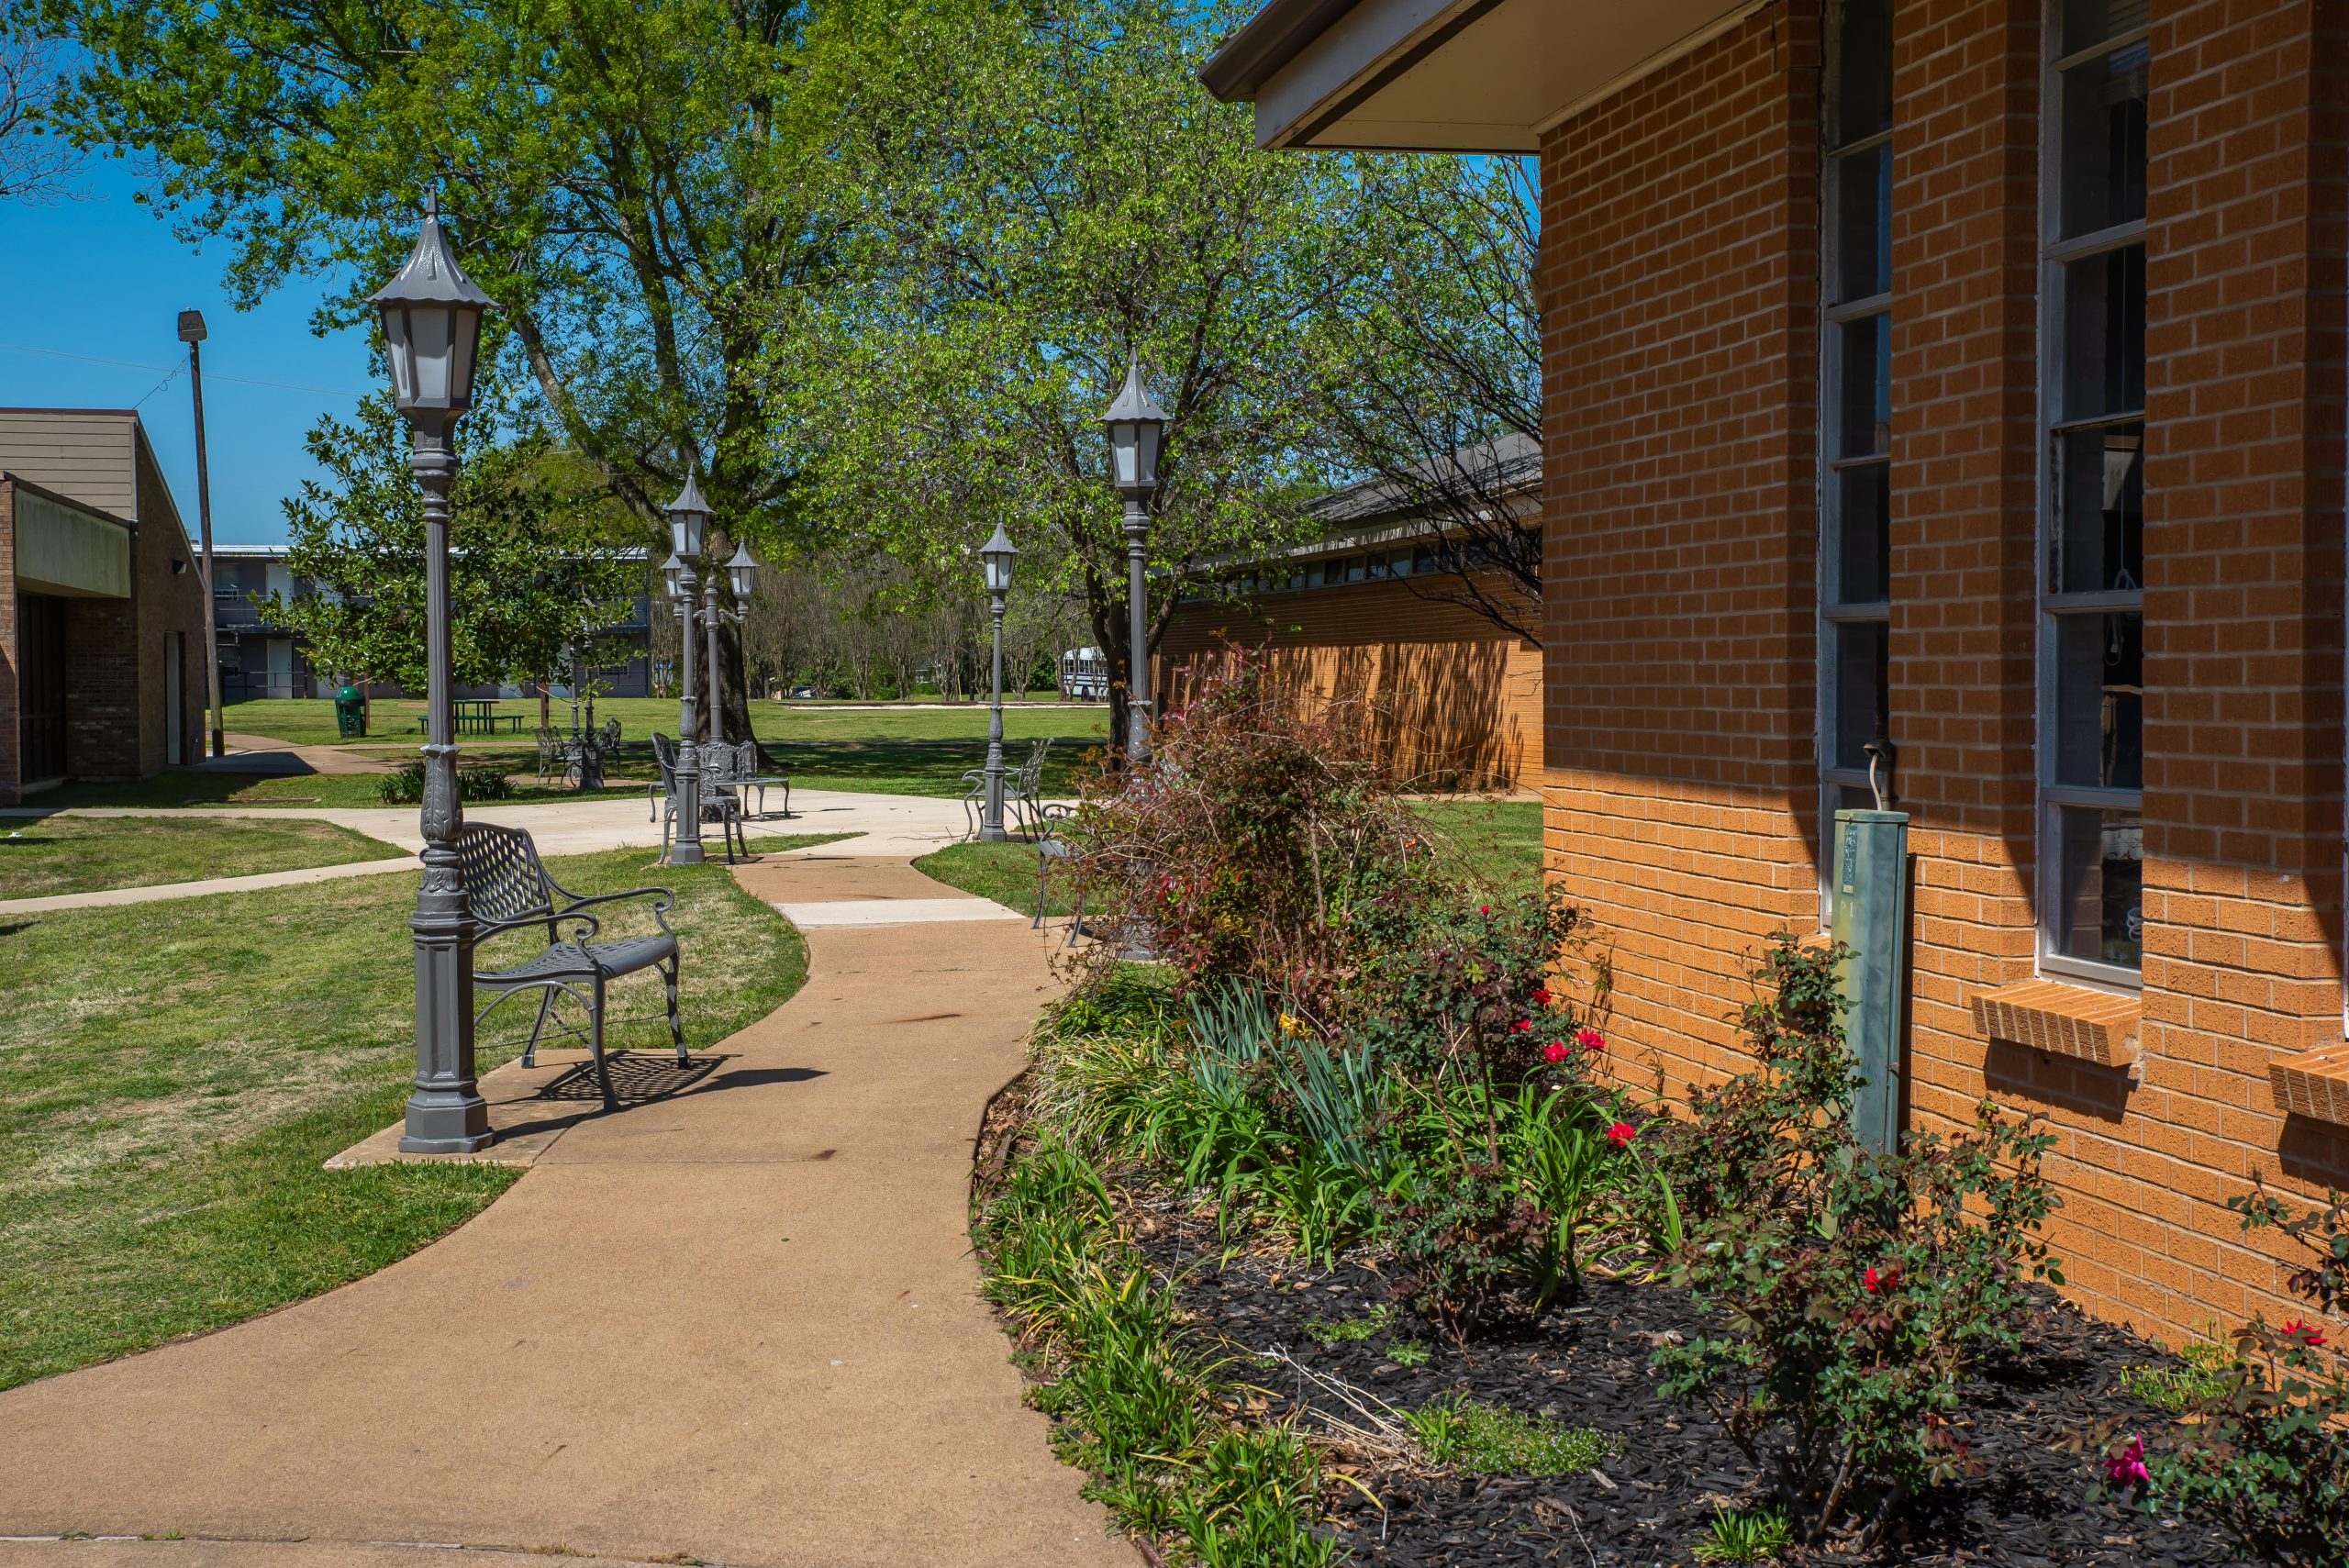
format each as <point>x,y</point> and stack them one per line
<point>1351,1170</point>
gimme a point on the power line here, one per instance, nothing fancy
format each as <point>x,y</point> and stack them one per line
<point>174,370</point>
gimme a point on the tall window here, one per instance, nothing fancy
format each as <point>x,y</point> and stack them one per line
<point>1855,388</point>
<point>2092,489</point>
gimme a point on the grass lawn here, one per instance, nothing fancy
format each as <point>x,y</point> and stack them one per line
<point>189,787</point>
<point>170,1084</point>
<point>82,854</point>
<point>1497,842</point>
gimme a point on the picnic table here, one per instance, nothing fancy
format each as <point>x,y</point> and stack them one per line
<point>479,715</point>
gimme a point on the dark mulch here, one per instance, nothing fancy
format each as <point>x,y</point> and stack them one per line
<point>1650,1505</point>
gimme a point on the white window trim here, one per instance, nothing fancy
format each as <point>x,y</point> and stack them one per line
<point>2055,252</point>
<point>1834,780</point>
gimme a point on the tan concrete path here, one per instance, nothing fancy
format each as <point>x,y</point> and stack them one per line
<point>738,1325</point>
<point>257,752</point>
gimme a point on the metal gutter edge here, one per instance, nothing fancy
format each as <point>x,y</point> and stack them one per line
<point>1266,42</point>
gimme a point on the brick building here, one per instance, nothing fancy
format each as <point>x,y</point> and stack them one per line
<point>1366,611</point>
<point>1966,374</point>
<point>101,605</point>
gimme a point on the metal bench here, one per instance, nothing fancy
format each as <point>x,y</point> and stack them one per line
<point>1050,847</point>
<point>510,889</point>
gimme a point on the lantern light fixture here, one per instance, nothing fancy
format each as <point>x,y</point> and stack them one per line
<point>1136,425</point>
<point>997,555</point>
<point>431,313</point>
<point>688,519</point>
<point>744,570</point>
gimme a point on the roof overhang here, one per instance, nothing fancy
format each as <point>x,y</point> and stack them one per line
<point>1447,75</point>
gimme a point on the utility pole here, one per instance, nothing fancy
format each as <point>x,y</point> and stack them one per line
<point>192,333</point>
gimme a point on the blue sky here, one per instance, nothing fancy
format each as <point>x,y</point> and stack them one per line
<point>104,279</point>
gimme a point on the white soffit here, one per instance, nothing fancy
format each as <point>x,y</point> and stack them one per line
<point>1472,75</point>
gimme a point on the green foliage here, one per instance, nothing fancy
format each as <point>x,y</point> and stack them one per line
<point>1746,1536</point>
<point>1134,1403</point>
<point>2178,1389</point>
<point>1408,1353</point>
<point>1486,1439</point>
<point>530,576</point>
<point>1267,844</point>
<point>1855,1288</point>
<point>2261,1448</point>
<point>478,781</point>
<point>1351,1331</point>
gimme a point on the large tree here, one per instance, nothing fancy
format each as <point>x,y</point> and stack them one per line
<point>1440,399</point>
<point>635,182</point>
<point>542,571</point>
<point>1045,192</point>
<point>36,164</point>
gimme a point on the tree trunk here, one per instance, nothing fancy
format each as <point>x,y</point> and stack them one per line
<point>733,681</point>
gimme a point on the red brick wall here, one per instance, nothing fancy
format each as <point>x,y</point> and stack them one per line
<point>1679,284</point>
<point>1461,696</point>
<point>168,601</point>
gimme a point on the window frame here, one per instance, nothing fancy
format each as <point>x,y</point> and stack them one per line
<point>1835,613</point>
<point>2052,423</point>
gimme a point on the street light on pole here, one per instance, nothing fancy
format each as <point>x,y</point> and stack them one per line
<point>431,316</point>
<point>1136,425</point>
<point>688,527</point>
<point>192,334</point>
<point>997,555</point>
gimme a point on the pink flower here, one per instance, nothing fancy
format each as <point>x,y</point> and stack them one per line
<point>2129,1465</point>
<point>1484,908</point>
<point>1590,1040</point>
<point>1554,1052</point>
<point>1542,995</point>
<point>1621,1133</point>
<point>1523,1026</point>
<point>2306,1333</point>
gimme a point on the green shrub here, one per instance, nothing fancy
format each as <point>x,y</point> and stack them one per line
<point>2262,1449</point>
<point>1855,1288</point>
<point>1747,1536</point>
<point>1486,1439</point>
<point>475,780</point>
<point>1133,1402</point>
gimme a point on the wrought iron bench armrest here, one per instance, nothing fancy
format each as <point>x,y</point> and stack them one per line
<point>664,900</point>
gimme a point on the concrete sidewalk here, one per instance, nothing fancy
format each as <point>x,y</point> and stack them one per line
<point>738,1326</point>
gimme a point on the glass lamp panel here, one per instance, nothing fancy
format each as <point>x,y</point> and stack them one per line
<point>2099,731</point>
<point>1862,700</point>
<point>464,345</point>
<point>2099,902</point>
<point>2097,542</point>
<point>2103,141</point>
<point>431,336</point>
<point>1124,438</point>
<point>686,530</point>
<point>1146,436</point>
<point>399,355</point>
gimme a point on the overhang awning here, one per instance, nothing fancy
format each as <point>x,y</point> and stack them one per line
<point>1446,75</point>
<point>70,550</point>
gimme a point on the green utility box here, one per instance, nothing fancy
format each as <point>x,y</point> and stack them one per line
<point>350,714</point>
<point>1870,899</point>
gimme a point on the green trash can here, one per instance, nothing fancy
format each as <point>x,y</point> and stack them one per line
<point>350,713</point>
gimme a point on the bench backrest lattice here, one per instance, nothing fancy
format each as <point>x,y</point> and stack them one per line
<point>504,878</point>
<point>664,757</point>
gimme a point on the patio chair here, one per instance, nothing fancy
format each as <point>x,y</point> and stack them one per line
<point>746,776</point>
<point>509,890</point>
<point>719,806</point>
<point>1019,787</point>
<point>550,759</point>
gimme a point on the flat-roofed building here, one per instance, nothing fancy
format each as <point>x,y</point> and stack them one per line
<point>101,605</point>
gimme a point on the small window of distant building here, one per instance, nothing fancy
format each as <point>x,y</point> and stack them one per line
<point>2091,564</point>
<point>1855,412</point>
<point>1354,569</point>
<point>1316,573</point>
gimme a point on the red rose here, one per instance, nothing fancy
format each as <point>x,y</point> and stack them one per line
<point>1590,1040</point>
<point>1621,1133</point>
<point>2306,1333</point>
<point>1554,1052</point>
<point>1541,995</point>
<point>1521,1026</point>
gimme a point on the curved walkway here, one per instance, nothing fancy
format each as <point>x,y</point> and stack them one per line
<point>737,1325</point>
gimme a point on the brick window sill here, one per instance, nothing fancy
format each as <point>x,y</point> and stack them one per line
<point>2062,1020</point>
<point>2313,1083</point>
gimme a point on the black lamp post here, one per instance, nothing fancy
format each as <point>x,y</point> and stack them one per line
<point>997,555</point>
<point>1136,424</point>
<point>431,316</point>
<point>688,527</point>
